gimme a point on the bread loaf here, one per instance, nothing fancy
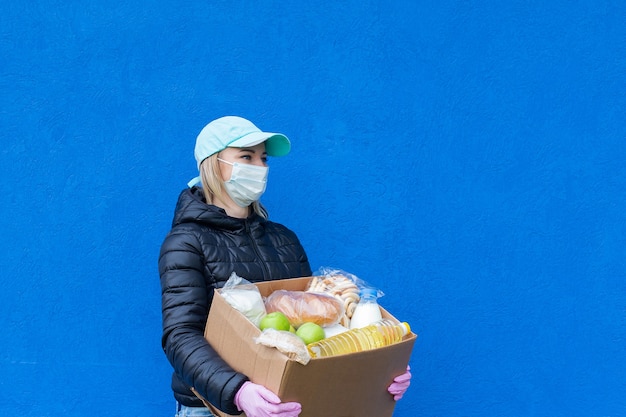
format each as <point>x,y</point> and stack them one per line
<point>301,307</point>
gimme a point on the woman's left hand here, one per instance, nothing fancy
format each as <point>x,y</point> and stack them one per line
<point>400,384</point>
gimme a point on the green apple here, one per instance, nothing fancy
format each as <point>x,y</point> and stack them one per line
<point>275,320</point>
<point>310,332</point>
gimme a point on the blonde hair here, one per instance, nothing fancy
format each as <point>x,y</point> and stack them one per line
<point>213,185</point>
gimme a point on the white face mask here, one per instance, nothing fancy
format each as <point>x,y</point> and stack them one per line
<point>246,184</point>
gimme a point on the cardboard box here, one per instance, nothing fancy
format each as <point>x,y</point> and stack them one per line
<point>352,385</point>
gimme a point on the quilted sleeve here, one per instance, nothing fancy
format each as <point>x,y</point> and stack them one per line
<point>186,298</point>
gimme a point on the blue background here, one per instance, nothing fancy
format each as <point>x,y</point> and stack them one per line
<point>468,158</point>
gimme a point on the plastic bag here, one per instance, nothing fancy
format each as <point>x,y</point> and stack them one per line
<point>342,285</point>
<point>333,279</point>
<point>301,307</point>
<point>244,297</point>
<point>286,342</point>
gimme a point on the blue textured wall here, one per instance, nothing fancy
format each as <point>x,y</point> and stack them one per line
<point>466,157</point>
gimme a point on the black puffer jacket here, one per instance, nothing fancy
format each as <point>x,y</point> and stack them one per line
<point>198,255</point>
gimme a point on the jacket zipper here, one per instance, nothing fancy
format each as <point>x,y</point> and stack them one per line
<point>266,272</point>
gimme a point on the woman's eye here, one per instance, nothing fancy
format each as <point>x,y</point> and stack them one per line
<point>264,159</point>
<point>246,157</point>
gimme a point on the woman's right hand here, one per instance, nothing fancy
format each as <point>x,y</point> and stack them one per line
<point>258,401</point>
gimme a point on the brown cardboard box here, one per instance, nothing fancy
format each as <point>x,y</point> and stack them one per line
<point>353,385</point>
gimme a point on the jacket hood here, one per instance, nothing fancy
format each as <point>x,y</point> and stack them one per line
<point>192,208</point>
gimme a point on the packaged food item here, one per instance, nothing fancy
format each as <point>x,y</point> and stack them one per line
<point>286,342</point>
<point>301,307</point>
<point>367,311</point>
<point>334,329</point>
<point>340,286</point>
<point>383,333</point>
<point>244,297</point>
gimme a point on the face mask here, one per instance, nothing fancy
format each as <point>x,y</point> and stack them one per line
<point>246,184</point>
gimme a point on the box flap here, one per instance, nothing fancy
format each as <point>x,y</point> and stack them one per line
<point>262,364</point>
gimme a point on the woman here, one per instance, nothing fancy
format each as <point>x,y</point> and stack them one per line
<point>220,227</point>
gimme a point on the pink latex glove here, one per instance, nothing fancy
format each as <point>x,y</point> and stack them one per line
<point>258,401</point>
<point>400,384</point>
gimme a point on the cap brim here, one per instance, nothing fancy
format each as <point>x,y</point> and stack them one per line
<point>276,144</point>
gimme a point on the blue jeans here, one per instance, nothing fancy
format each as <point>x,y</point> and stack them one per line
<point>184,411</point>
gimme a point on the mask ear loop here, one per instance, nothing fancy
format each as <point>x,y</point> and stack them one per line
<point>226,162</point>
<point>197,181</point>
<point>220,168</point>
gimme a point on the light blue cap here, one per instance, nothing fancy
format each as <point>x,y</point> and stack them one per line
<point>237,132</point>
